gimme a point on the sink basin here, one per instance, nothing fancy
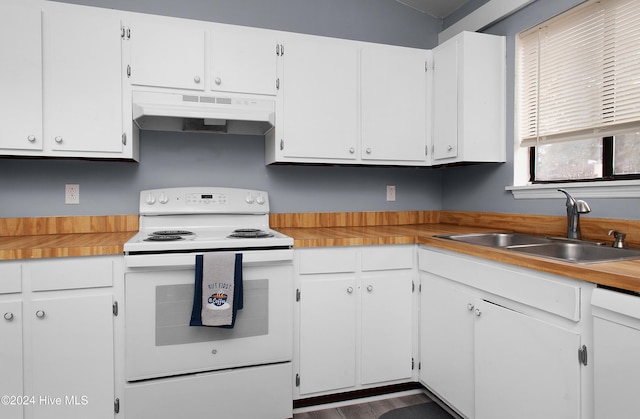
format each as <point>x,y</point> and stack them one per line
<point>567,250</point>
<point>497,239</point>
<point>578,252</point>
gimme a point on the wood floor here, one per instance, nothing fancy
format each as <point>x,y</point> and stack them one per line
<point>368,410</point>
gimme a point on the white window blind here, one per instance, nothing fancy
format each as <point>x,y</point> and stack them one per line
<point>579,74</point>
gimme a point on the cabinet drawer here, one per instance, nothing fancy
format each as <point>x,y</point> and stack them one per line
<point>542,291</point>
<point>69,273</point>
<point>327,260</point>
<point>387,257</point>
<point>10,278</point>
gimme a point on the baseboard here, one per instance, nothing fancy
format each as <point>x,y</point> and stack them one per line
<point>333,400</point>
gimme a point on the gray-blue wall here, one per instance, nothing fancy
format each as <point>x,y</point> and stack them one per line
<point>32,187</point>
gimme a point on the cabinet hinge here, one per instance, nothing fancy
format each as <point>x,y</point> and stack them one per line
<point>125,33</point>
<point>116,405</point>
<point>277,84</point>
<point>298,294</point>
<point>582,355</point>
<point>115,308</point>
<point>413,286</point>
<point>124,138</point>
<point>128,71</point>
<point>413,364</point>
<point>426,150</point>
<point>419,366</point>
<point>297,380</point>
<point>281,145</point>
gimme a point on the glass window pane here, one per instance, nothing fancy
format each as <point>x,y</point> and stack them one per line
<point>569,161</point>
<point>626,154</point>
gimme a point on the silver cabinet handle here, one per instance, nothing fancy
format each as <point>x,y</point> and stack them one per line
<point>31,138</point>
<point>470,307</point>
<point>478,312</point>
<point>58,139</point>
<point>8,316</point>
<point>196,79</point>
<point>40,314</point>
<point>350,290</point>
<point>369,288</point>
<point>218,81</point>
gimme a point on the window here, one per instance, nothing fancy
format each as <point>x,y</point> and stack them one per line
<point>578,94</point>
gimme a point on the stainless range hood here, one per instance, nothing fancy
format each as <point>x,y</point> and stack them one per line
<point>164,111</point>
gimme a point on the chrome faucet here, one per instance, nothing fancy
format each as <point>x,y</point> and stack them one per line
<point>574,209</point>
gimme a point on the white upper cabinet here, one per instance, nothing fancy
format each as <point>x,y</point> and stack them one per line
<point>244,60</point>
<point>317,120</point>
<point>20,76</point>
<point>394,104</point>
<point>469,111</point>
<point>166,52</point>
<point>62,95</point>
<point>82,82</point>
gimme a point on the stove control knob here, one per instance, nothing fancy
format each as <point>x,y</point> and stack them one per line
<point>163,198</point>
<point>260,200</point>
<point>150,200</point>
<point>249,199</point>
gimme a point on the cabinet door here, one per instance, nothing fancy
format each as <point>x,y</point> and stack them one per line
<point>327,333</point>
<point>82,81</point>
<point>167,52</point>
<point>20,76</point>
<point>445,99</point>
<point>72,355</point>
<point>243,60</point>
<point>446,342</point>
<point>387,326</point>
<point>319,88</point>
<point>524,368</point>
<point>394,104</point>
<point>11,383</point>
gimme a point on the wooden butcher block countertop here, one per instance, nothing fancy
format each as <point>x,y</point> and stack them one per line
<point>28,238</point>
<point>624,274</point>
<point>50,237</point>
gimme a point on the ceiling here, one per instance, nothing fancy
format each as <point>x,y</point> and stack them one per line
<point>436,8</point>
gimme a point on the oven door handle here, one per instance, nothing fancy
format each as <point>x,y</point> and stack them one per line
<point>188,259</point>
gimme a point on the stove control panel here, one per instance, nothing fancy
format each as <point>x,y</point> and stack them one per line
<point>203,200</point>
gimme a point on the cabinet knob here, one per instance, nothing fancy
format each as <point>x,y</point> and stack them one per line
<point>40,314</point>
<point>196,79</point>
<point>8,316</point>
<point>350,290</point>
<point>58,139</point>
<point>478,312</point>
<point>470,307</point>
<point>352,150</point>
<point>218,81</point>
<point>449,148</point>
<point>31,138</point>
<point>369,288</point>
<point>368,151</point>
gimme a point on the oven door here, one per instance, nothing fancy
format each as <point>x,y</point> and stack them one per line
<point>158,300</point>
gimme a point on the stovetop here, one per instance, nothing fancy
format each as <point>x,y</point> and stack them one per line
<point>204,218</point>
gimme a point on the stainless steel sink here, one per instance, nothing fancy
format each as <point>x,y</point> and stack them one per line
<point>497,239</point>
<point>568,250</point>
<point>578,252</point>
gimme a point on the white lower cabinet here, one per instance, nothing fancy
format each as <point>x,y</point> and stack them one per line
<point>490,352</point>
<point>58,323</point>
<point>355,323</point>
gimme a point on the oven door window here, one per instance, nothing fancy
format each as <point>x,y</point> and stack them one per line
<point>173,310</point>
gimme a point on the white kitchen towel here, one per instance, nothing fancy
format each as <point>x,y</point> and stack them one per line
<point>218,289</point>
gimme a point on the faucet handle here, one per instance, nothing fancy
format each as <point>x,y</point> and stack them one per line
<point>582,207</point>
<point>618,238</point>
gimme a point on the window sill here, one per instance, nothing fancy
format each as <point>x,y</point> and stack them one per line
<point>609,189</point>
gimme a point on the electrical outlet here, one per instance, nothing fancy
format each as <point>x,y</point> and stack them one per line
<point>391,193</point>
<point>71,194</point>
